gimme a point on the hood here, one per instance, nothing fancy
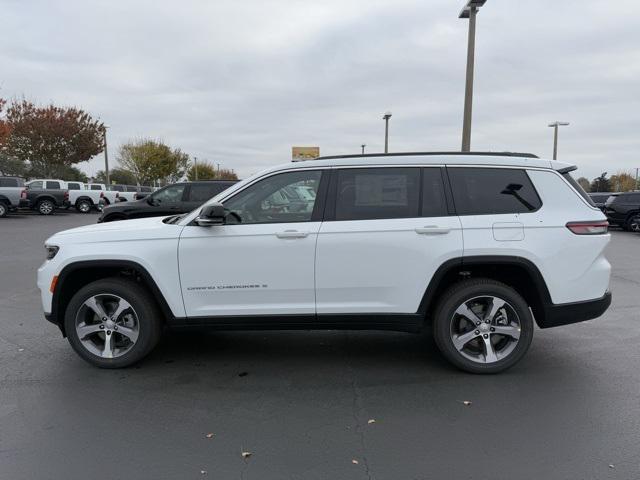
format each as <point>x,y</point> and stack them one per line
<point>121,231</point>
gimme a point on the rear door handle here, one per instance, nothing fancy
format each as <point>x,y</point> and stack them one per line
<point>432,230</point>
<point>292,234</point>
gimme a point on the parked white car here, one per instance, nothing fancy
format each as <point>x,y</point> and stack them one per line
<point>477,246</point>
<point>126,193</point>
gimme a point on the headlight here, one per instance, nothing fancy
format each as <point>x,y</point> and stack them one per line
<point>52,250</point>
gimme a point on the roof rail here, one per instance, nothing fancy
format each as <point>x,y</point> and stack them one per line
<point>406,154</point>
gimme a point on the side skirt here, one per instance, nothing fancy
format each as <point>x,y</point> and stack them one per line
<point>399,322</point>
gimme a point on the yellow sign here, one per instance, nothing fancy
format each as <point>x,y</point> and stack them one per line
<point>304,153</point>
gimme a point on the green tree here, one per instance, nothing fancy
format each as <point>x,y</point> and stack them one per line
<point>584,183</point>
<point>622,182</point>
<point>206,171</point>
<point>150,160</point>
<point>116,175</point>
<point>50,138</point>
<point>601,183</point>
<point>12,166</point>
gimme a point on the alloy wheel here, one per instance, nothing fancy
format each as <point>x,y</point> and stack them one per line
<point>485,329</point>
<point>107,325</point>
<point>45,207</point>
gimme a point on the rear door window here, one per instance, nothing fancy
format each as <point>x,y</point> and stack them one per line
<point>434,203</point>
<point>202,192</point>
<point>377,193</point>
<point>486,191</point>
<point>53,185</point>
<point>10,182</point>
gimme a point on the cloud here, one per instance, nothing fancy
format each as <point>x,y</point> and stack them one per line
<point>239,83</point>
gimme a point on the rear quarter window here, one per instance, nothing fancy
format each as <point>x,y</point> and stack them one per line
<point>576,186</point>
<point>487,191</point>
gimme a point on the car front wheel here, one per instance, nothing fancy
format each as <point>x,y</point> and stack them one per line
<point>483,326</point>
<point>3,209</point>
<point>113,323</point>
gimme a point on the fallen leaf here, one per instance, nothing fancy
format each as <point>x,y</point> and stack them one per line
<point>209,435</point>
<point>203,472</point>
<point>467,403</point>
<point>21,349</point>
<point>371,420</point>
<point>354,461</point>
<point>612,465</point>
<point>246,454</point>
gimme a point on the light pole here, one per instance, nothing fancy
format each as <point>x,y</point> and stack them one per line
<point>106,154</point>
<point>362,146</point>
<point>555,126</point>
<point>195,166</point>
<point>386,118</point>
<point>469,11</point>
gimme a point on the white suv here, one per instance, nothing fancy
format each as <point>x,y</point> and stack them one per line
<point>476,246</point>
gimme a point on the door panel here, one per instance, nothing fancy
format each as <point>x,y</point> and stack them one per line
<point>371,266</point>
<point>248,269</point>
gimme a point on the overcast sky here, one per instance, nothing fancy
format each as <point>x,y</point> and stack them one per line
<point>240,82</point>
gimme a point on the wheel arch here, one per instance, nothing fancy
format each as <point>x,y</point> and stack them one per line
<point>84,197</point>
<point>77,274</point>
<point>517,272</point>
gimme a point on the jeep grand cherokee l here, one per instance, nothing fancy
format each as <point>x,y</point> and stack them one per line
<point>478,246</point>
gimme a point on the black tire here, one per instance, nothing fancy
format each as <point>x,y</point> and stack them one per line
<point>149,318</point>
<point>45,207</point>
<point>4,209</point>
<point>633,224</point>
<point>84,206</point>
<point>469,289</point>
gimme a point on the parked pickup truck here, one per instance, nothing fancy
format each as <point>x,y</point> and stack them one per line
<point>94,196</point>
<point>12,195</point>
<point>126,193</point>
<point>46,195</point>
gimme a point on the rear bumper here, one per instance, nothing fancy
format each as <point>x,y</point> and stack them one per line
<point>567,313</point>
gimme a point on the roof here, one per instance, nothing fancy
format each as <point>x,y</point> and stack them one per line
<point>526,160</point>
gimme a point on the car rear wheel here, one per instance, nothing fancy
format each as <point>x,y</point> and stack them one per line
<point>84,206</point>
<point>45,207</point>
<point>483,326</point>
<point>113,323</point>
<point>634,223</point>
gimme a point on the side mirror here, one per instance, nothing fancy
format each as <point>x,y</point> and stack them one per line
<point>212,214</point>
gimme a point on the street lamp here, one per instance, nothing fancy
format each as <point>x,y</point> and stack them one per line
<point>195,166</point>
<point>469,11</point>
<point>555,126</point>
<point>362,146</point>
<point>106,155</point>
<point>386,118</point>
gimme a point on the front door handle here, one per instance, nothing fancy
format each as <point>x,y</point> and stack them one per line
<point>432,230</point>
<point>292,234</point>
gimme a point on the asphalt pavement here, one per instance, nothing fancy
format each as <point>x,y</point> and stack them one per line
<point>313,405</point>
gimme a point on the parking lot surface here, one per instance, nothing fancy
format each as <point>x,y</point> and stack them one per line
<point>313,405</point>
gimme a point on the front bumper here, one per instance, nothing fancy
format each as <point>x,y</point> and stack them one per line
<point>567,313</point>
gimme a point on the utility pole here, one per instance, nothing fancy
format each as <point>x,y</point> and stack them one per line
<point>195,166</point>
<point>555,126</point>
<point>386,118</point>
<point>469,11</point>
<point>106,154</point>
<point>363,145</point>
<point>218,174</point>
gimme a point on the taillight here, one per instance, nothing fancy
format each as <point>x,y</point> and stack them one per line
<point>101,194</point>
<point>589,228</point>
<point>66,195</point>
<point>23,194</point>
